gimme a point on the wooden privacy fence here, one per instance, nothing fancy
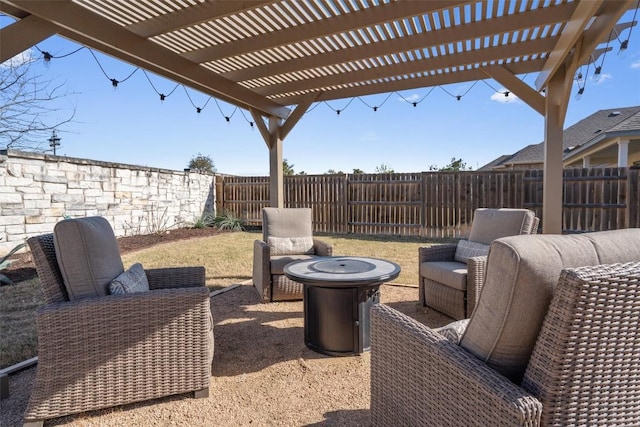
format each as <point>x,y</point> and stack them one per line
<point>438,204</point>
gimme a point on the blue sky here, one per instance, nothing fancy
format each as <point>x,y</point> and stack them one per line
<point>131,125</point>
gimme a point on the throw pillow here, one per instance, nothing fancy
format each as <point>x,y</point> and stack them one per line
<point>130,281</point>
<point>467,249</point>
<point>291,245</point>
<point>453,331</point>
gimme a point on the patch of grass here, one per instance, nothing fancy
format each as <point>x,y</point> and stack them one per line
<point>18,304</point>
<point>227,257</point>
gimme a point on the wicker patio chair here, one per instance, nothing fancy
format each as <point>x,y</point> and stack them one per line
<point>287,235</point>
<point>98,352</point>
<point>561,347</point>
<point>451,275</point>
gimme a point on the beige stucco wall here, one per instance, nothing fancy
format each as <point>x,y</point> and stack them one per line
<point>37,191</point>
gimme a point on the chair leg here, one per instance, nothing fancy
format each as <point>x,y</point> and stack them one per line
<point>201,394</point>
<point>4,386</point>
<point>33,423</point>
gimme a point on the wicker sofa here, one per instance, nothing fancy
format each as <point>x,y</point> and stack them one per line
<point>106,350</point>
<point>287,236</point>
<point>554,341</point>
<point>451,275</point>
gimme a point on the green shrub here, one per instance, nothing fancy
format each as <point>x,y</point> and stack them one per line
<point>205,220</point>
<point>228,221</point>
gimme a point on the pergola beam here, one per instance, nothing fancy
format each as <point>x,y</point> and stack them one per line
<point>503,76</point>
<point>195,14</point>
<point>412,83</point>
<point>23,34</point>
<point>444,36</point>
<point>78,24</point>
<point>463,59</point>
<point>323,27</point>
<point>572,31</point>
<point>297,114</point>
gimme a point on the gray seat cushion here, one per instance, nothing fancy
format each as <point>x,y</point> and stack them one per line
<point>450,273</point>
<point>522,272</point>
<point>279,261</point>
<point>88,256</point>
<point>491,224</point>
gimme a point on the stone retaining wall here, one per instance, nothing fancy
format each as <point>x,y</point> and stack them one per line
<point>38,190</point>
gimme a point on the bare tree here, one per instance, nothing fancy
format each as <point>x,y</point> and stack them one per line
<point>30,105</point>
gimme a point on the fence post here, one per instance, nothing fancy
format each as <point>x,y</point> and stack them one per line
<point>219,180</point>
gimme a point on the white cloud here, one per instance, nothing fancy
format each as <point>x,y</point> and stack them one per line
<point>500,97</point>
<point>603,78</point>
<point>412,98</point>
<point>18,60</point>
<point>635,64</point>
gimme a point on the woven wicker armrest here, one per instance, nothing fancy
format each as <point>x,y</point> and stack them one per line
<point>322,248</point>
<point>180,277</point>
<point>119,349</point>
<point>443,252</point>
<point>419,378</point>
<point>476,271</point>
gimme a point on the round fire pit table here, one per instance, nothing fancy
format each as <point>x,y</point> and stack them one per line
<point>338,292</point>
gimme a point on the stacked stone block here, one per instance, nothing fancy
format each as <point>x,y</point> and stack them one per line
<point>38,190</point>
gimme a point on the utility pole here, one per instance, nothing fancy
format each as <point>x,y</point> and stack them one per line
<point>54,141</point>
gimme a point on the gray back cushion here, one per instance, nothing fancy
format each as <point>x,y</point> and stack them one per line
<point>490,224</point>
<point>88,256</point>
<point>286,222</point>
<point>522,272</point>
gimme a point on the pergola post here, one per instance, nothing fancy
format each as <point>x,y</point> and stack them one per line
<point>623,153</point>
<point>276,182</point>
<point>556,97</point>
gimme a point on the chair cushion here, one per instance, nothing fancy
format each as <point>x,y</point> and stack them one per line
<point>453,331</point>
<point>130,281</point>
<point>522,272</point>
<point>288,222</point>
<point>449,273</point>
<point>88,256</point>
<point>491,224</point>
<point>278,262</point>
<point>291,245</point>
<point>467,249</point>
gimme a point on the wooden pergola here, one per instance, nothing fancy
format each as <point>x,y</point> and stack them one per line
<point>276,58</point>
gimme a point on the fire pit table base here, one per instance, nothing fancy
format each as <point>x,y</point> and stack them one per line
<point>338,292</point>
<point>336,320</point>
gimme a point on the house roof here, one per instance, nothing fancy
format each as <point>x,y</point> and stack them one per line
<point>609,122</point>
<point>268,55</point>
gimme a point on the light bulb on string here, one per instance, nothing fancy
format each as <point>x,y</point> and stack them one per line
<point>251,124</point>
<point>227,118</point>
<point>114,84</point>
<point>198,110</point>
<point>458,97</point>
<point>597,74</point>
<point>506,94</point>
<point>162,97</point>
<point>622,52</point>
<point>47,59</point>
<point>375,109</point>
<point>338,112</point>
<point>579,94</point>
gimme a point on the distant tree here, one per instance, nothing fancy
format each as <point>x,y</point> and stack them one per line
<point>287,169</point>
<point>29,104</point>
<point>454,165</point>
<point>382,168</point>
<point>356,170</point>
<point>301,173</point>
<point>202,164</point>
<point>333,172</point>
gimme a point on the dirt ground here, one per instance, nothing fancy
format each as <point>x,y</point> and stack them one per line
<point>263,374</point>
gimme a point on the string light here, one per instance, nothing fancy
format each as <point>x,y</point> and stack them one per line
<point>579,94</point>
<point>114,83</point>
